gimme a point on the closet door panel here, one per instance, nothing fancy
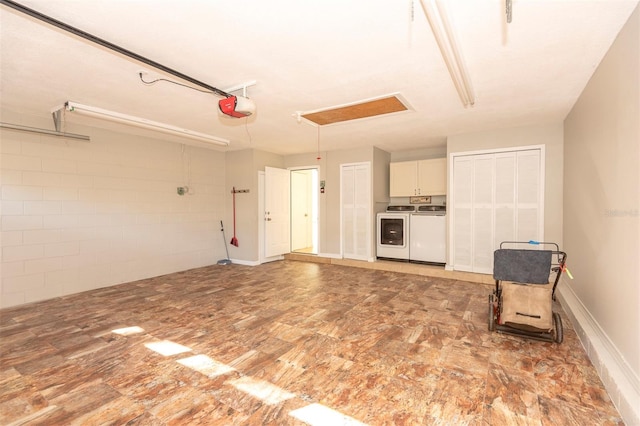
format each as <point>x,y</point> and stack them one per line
<point>528,180</point>
<point>362,216</point>
<point>528,196</point>
<point>495,197</point>
<point>462,200</point>
<point>462,240</point>
<point>348,208</point>
<point>482,240</point>
<point>356,211</point>
<point>483,191</point>
<point>505,198</point>
<point>528,225</point>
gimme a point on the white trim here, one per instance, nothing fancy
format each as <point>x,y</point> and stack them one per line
<point>330,255</point>
<point>245,262</point>
<point>316,194</point>
<point>495,151</point>
<point>257,262</point>
<point>261,196</point>
<point>621,382</point>
<point>317,167</point>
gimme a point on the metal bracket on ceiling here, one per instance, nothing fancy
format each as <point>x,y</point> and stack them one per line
<point>57,119</point>
<point>242,86</point>
<point>508,10</point>
<point>57,122</point>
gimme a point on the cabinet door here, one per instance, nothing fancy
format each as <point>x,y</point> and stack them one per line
<point>403,179</point>
<point>432,177</point>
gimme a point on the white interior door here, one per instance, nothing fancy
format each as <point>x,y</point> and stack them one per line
<point>277,225</point>
<point>301,213</point>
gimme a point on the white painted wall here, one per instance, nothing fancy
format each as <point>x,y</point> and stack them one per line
<point>78,216</point>
<point>601,218</point>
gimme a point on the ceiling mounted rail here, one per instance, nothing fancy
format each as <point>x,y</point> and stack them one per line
<point>36,130</point>
<point>97,40</point>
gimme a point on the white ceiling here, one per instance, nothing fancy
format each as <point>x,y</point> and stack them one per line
<point>308,55</point>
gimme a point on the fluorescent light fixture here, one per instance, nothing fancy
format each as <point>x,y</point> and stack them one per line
<point>143,123</point>
<point>437,17</point>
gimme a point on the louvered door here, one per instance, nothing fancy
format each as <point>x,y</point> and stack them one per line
<point>495,197</point>
<point>356,211</point>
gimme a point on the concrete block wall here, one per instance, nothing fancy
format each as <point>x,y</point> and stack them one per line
<point>83,215</point>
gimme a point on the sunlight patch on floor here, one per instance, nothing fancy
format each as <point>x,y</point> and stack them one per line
<point>205,365</point>
<point>128,331</point>
<point>319,415</point>
<point>167,348</point>
<point>264,391</point>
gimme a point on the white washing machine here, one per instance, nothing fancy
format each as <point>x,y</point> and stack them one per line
<point>427,235</point>
<point>393,233</point>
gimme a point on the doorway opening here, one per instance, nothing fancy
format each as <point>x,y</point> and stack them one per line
<point>304,210</point>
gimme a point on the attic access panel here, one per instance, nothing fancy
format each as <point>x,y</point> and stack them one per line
<point>364,109</point>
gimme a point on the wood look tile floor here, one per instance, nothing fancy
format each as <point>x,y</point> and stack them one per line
<point>287,343</point>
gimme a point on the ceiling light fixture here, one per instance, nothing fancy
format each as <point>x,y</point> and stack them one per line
<point>141,122</point>
<point>437,17</point>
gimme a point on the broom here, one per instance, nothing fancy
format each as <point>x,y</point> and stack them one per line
<point>226,261</point>
<point>234,240</point>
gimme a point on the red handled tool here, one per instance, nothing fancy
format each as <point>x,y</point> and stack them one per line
<point>234,240</point>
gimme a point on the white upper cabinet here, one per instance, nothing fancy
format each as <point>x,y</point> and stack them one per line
<point>403,178</point>
<point>432,176</point>
<point>423,177</point>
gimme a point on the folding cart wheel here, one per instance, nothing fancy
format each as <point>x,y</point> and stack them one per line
<point>556,333</point>
<point>492,314</point>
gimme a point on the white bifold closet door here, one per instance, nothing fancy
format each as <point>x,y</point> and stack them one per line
<point>495,197</point>
<point>356,211</point>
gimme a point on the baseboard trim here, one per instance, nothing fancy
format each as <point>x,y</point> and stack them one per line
<point>330,255</point>
<point>620,381</point>
<point>245,262</point>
